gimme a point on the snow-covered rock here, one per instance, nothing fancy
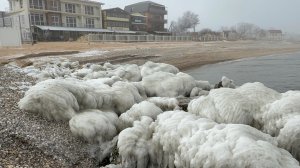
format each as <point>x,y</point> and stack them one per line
<point>95,126</point>
<point>150,68</point>
<point>224,105</point>
<point>61,99</point>
<point>163,84</point>
<point>136,112</point>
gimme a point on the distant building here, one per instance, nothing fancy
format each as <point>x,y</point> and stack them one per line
<point>154,12</point>
<point>230,35</point>
<point>274,35</point>
<point>57,19</point>
<point>116,19</point>
<point>138,22</point>
<point>10,34</point>
<point>209,35</point>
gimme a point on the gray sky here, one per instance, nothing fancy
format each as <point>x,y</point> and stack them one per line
<point>277,14</point>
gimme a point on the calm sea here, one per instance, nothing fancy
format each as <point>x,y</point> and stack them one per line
<point>280,72</point>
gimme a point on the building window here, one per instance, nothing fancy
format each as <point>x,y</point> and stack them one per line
<point>10,6</point>
<point>22,20</point>
<point>36,4</point>
<point>37,19</point>
<point>90,23</point>
<point>117,24</point>
<point>89,10</point>
<point>54,5</point>
<point>118,15</point>
<point>55,20</point>
<point>6,22</point>
<point>21,3</point>
<point>70,8</point>
<point>71,21</point>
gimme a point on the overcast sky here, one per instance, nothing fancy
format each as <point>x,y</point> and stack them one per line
<point>277,14</point>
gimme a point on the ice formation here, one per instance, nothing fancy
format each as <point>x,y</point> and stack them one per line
<point>182,139</point>
<point>227,83</point>
<point>150,138</point>
<point>198,92</point>
<point>129,72</point>
<point>224,105</point>
<point>164,84</point>
<point>50,70</point>
<point>95,126</point>
<point>281,119</point>
<point>150,68</point>
<point>135,145</point>
<point>165,103</point>
<point>112,166</point>
<point>61,99</point>
<point>240,105</point>
<point>136,112</point>
<point>205,85</point>
<point>258,93</point>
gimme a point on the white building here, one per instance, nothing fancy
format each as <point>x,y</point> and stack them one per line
<point>10,34</point>
<point>57,19</point>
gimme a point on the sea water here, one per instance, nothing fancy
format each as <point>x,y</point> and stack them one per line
<point>279,72</point>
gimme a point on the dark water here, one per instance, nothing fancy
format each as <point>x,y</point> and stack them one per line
<point>280,72</point>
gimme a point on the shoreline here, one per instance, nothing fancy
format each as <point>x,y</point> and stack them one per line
<point>196,62</point>
<point>185,56</point>
<point>240,59</point>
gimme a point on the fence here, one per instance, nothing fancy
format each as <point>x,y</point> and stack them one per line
<point>135,38</point>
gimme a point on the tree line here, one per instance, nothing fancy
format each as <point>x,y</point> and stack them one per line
<point>190,20</point>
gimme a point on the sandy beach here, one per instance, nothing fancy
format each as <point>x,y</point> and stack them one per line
<point>183,55</point>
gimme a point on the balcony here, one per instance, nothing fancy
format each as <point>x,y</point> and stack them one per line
<point>34,6</point>
<point>54,8</point>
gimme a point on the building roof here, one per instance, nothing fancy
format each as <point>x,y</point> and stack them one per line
<point>116,10</point>
<point>77,29</point>
<point>141,6</point>
<point>274,31</point>
<point>91,1</point>
<point>54,28</point>
<point>148,3</point>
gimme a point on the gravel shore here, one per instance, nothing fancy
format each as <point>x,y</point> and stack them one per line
<point>28,140</point>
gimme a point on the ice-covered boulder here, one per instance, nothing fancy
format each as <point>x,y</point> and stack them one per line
<point>136,112</point>
<point>224,105</point>
<point>163,84</point>
<point>165,103</point>
<point>61,99</point>
<point>150,68</point>
<point>95,126</point>
<point>281,119</point>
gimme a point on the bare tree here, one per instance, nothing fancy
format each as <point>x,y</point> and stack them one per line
<point>190,20</point>
<point>187,21</point>
<point>248,31</point>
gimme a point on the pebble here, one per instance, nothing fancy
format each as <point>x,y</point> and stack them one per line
<point>28,140</point>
